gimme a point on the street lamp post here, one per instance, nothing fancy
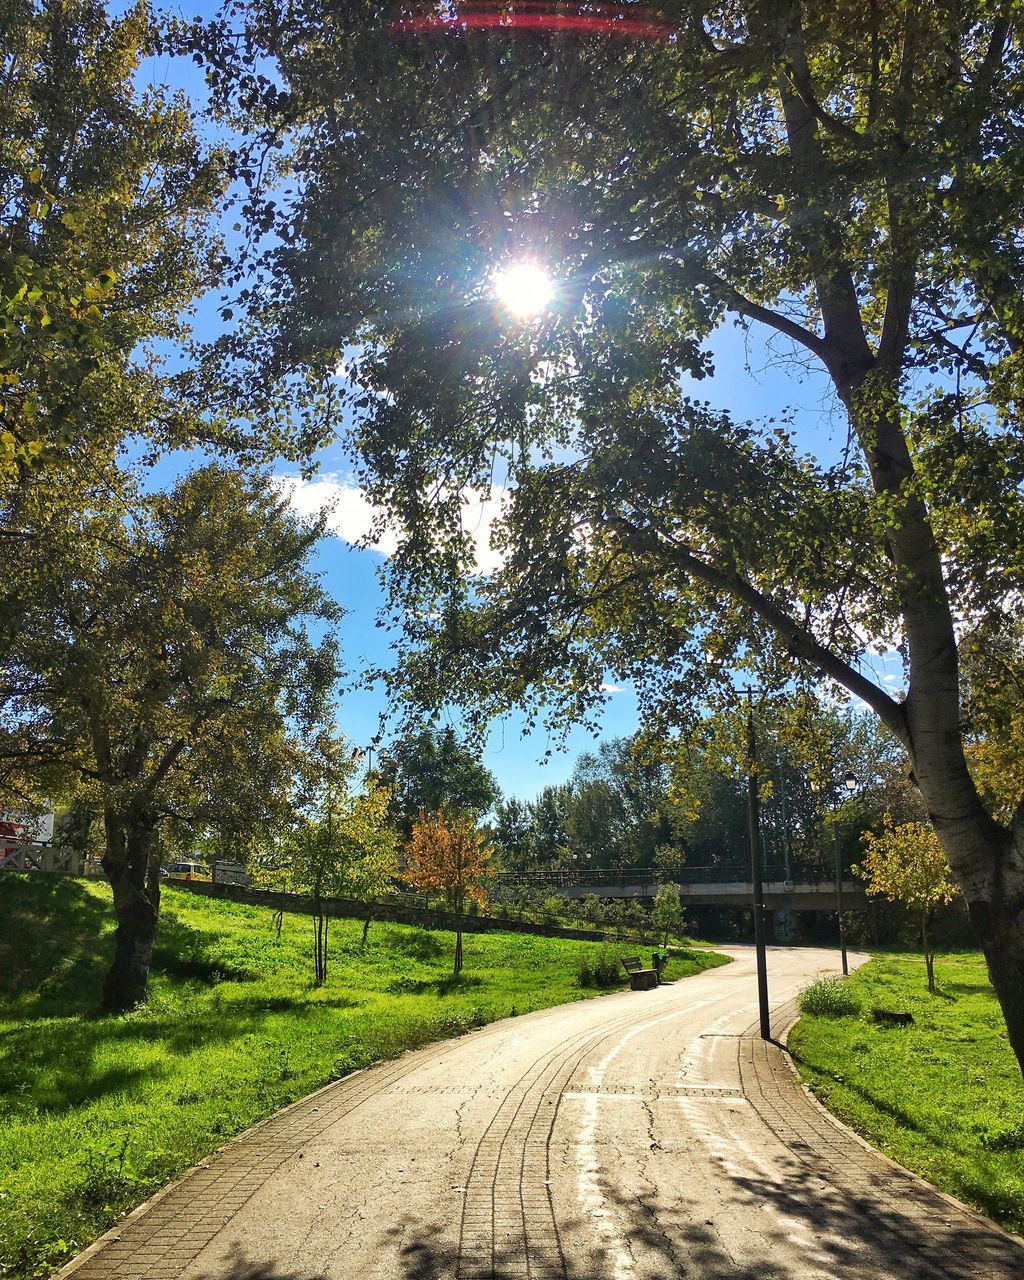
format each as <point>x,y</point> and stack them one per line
<point>756,871</point>
<point>850,783</point>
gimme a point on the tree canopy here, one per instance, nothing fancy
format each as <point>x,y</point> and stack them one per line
<point>107,220</point>
<point>170,678</point>
<point>158,651</point>
<point>432,769</point>
<point>847,178</point>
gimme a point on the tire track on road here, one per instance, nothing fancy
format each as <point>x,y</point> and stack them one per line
<point>527,1246</point>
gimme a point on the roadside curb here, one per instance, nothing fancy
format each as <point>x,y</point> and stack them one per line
<point>113,1235</point>
<point>788,1016</point>
<point>142,1256</point>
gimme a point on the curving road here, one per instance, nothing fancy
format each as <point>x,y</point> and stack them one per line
<point>641,1136</point>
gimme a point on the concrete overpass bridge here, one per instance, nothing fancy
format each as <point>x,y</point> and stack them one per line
<point>723,886</point>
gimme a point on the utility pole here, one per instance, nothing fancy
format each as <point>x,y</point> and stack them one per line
<point>850,783</point>
<point>754,817</point>
<point>787,840</point>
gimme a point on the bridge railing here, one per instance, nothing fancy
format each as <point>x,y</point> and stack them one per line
<point>624,877</point>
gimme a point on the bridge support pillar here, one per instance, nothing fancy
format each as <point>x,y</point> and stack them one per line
<point>787,926</point>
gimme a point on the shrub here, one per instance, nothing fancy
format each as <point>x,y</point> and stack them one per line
<point>592,910</point>
<point>1007,1140</point>
<point>599,969</point>
<point>829,998</point>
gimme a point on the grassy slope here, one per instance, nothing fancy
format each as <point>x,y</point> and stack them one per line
<point>945,1096</point>
<point>96,1113</point>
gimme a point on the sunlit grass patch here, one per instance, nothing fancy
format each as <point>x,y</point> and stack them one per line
<point>96,1113</point>
<point>943,1095</point>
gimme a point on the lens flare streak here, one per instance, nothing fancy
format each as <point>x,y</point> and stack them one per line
<point>633,22</point>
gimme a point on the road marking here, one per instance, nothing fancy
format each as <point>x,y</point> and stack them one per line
<point>588,1171</point>
<point>591,1196</point>
<point>703,1092</point>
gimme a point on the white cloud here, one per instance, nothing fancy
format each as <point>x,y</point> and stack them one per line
<point>612,688</point>
<point>351,515</point>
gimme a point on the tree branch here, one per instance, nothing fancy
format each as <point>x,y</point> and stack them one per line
<point>735,301</point>
<point>165,765</point>
<point>797,639</point>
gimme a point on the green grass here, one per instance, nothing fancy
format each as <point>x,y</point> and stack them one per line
<point>98,1112</point>
<point>943,1096</point>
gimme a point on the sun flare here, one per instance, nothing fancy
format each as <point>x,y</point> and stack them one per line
<point>524,289</point>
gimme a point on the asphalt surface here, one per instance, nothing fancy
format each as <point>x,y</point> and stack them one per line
<point>640,1136</point>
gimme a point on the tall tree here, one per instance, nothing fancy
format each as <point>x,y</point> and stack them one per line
<point>106,230</point>
<point>619,810</point>
<point>174,678</point>
<point>448,855</point>
<point>905,862</point>
<point>107,236</point>
<point>844,176</point>
<point>512,834</point>
<point>432,769</point>
<point>109,240</point>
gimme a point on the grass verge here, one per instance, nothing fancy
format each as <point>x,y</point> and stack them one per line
<point>96,1113</point>
<point>944,1095</point>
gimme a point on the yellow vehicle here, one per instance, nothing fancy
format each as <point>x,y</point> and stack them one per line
<point>185,871</point>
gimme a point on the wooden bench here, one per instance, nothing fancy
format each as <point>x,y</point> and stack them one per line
<point>640,979</point>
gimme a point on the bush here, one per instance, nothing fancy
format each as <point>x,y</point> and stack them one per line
<point>592,910</point>
<point>1007,1140</point>
<point>829,998</point>
<point>599,969</point>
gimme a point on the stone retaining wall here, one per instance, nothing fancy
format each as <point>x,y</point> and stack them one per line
<point>388,912</point>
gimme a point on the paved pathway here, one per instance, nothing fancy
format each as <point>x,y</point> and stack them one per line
<point>641,1136</point>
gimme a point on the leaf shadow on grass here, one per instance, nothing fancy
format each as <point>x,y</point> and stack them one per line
<point>292,1004</point>
<point>448,986</point>
<point>186,953</point>
<point>55,1086</point>
<point>56,945</point>
<point>51,960</point>
<point>943,991</point>
<point>968,988</point>
<point>54,952</point>
<point>418,943</point>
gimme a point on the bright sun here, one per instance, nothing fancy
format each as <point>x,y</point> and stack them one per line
<point>524,289</point>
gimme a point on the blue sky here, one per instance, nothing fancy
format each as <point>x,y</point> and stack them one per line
<point>754,378</point>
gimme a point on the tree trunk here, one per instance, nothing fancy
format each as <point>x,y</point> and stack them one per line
<point>987,861</point>
<point>998,919</point>
<point>319,944</point>
<point>130,864</point>
<point>929,957</point>
<point>457,904</point>
<point>989,866</point>
<point>366,926</point>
